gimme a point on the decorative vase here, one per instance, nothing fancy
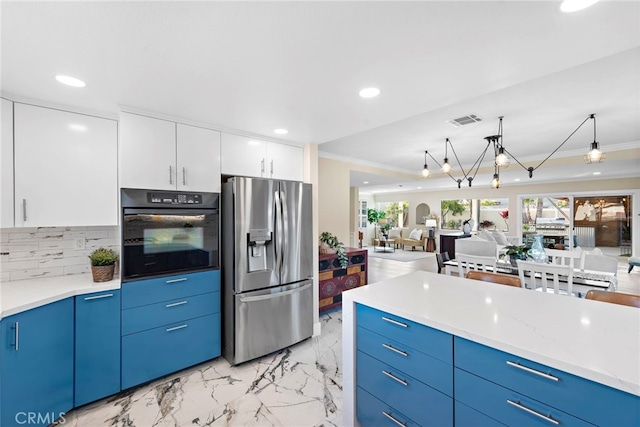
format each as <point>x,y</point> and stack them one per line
<point>537,252</point>
<point>326,249</point>
<point>102,273</point>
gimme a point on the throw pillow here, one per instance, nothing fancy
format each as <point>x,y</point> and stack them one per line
<point>500,238</point>
<point>394,234</point>
<point>415,234</point>
<point>484,234</point>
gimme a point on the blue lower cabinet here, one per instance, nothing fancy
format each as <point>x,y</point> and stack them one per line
<point>97,348</point>
<point>160,351</point>
<point>374,412</point>
<point>507,406</point>
<point>37,365</point>
<point>468,417</point>
<point>421,403</point>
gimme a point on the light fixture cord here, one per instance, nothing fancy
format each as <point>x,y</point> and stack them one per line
<point>591,116</point>
<point>476,164</point>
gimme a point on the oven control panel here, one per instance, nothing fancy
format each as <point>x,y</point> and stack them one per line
<point>174,198</point>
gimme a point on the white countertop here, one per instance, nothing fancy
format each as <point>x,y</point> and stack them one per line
<point>591,339</point>
<point>21,295</point>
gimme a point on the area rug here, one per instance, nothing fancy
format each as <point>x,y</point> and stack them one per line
<point>400,254</point>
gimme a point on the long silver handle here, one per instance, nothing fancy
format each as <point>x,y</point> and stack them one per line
<point>24,210</point>
<point>17,328</point>
<point>184,176</point>
<point>271,168</point>
<point>175,304</point>
<point>262,167</point>
<point>98,297</point>
<point>170,174</point>
<point>393,377</point>
<point>175,328</point>
<point>392,348</point>
<point>279,250</point>
<point>284,219</point>
<point>394,419</point>
<point>532,371</point>
<point>182,279</point>
<point>532,412</point>
<point>395,322</point>
<point>276,295</point>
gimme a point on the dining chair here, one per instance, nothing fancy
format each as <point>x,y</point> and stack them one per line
<point>501,279</point>
<point>542,275</point>
<point>614,297</point>
<point>441,258</point>
<point>474,262</point>
<point>573,258</point>
<point>604,263</point>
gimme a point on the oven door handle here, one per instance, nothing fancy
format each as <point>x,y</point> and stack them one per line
<point>172,211</point>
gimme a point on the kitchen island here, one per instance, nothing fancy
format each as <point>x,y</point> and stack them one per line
<point>476,353</point>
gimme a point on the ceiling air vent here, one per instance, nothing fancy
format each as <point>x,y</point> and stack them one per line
<point>464,120</point>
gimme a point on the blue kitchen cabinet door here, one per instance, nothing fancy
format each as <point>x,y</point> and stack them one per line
<point>97,349</point>
<point>37,365</point>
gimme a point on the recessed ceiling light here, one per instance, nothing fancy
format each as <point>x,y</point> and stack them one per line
<point>254,142</point>
<point>419,188</point>
<point>281,131</point>
<point>365,182</point>
<point>517,180</point>
<point>70,81</point>
<point>575,5</point>
<point>77,127</point>
<point>597,173</point>
<point>370,92</point>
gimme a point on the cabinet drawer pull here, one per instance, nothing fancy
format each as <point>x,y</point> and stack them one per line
<point>184,176</point>
<point>182,279</point>
<point>393,377</point>
<point>392,348</point>
<point>271,168</point>
<point>262,167</point>
<point>98,297</point>
<point>175,328</point>
<point>395,322</point>
<point>392,418</point>
<point>175,304</point>
<point>170,175</point>
<point>532,412</point>
<point>17,328</point>
<point>24,210</point>
<point>532,371</point>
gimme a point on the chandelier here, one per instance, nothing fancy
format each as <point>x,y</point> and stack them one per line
<point>502,157</point>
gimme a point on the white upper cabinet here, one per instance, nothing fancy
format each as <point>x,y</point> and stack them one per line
<point>245,156</point>
<point>198,159</point>
<point>65,168</point>
<point>158,154</point>
<point>6,164</point>
<point>147,153</point>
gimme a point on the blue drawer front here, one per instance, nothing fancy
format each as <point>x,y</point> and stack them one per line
<point>151,354</point>
<point>580,397</point>
<point>423,404</point>
<point>371,412</point>
<point>151,316</point>
<point>424,339</point>
<point>422,367</point>
<point>168,288</point>
<point>492,400</point>
<point>97,351</point>
<point>469,417</point>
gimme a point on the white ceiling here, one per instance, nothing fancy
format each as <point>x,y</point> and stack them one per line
<point>257,66</point>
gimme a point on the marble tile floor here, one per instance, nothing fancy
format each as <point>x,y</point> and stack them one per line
<point>299,386</point>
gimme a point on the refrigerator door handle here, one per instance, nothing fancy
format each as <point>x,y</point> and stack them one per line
<point>284,221</point>
<point>278,245</point>
<point>275,295</point>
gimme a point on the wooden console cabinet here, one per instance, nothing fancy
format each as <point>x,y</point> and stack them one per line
<point>448,243</point>
<point>334,279</point>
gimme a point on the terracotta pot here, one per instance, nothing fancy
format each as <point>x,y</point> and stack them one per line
<point>102,273</point>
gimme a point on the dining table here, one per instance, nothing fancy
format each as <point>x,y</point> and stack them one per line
<point>583,280</point>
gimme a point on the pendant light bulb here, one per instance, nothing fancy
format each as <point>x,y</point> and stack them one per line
<point>502,160</point>
<point>425,171</point>
<point>495,182</point>
<point>446,167</point>
<point>594,155</point>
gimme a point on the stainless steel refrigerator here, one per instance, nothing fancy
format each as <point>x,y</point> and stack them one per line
<point>267,266</point>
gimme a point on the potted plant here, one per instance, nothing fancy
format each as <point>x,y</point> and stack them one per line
<point>515,252</point>
<point>103,262</point>
<point>329,244</point>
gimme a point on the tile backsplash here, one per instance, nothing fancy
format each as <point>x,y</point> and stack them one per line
<point>51,251</point>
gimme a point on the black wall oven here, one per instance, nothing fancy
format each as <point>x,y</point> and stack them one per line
<point>167,232</point>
